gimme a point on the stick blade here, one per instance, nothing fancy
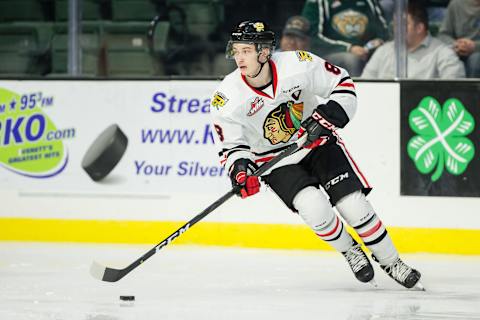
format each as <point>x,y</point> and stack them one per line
<point>97,270</point>
<point>103,273</point>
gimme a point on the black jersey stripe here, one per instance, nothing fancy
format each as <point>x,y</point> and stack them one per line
<point>240,146</point>
<point>344,91</point>
<point>344,79</point>
<point>236,148</point>
<point>258,154</point>
<point>233,151</point>
<point>271,151</point>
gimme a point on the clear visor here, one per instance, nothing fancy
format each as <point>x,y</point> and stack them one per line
<point>229,50</point>
<point>229,54</point>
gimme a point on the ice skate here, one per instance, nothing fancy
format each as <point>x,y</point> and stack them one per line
<point>359,263</point>
<point>403,274</point>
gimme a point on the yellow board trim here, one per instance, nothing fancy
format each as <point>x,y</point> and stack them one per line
<point>253,235</point>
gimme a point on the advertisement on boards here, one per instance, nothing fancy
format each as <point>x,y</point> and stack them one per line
<point>440,138</point>
<point>83,136</point>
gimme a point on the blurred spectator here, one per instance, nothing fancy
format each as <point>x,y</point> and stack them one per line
<point>436,12</point>
<point>181,52</point>
<point>388,7</point>
<point>428,57</point>
<point>296,34</point>
<point>461,30</point>
<point>345,32</point>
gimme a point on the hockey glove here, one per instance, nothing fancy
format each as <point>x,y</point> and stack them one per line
<point>242,180</point>
<point>317,133</point>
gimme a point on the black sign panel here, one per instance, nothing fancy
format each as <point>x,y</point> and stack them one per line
<point>440,138</point>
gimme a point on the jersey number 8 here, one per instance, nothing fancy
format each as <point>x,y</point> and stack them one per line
<point>219,131</point>
<point>332,68</point>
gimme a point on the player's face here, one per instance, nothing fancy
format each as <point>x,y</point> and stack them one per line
<point>245,56</point>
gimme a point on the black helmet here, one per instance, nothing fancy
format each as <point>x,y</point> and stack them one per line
<point>254,32</point>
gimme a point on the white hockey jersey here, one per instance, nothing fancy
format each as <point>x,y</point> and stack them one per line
<point>255,125</point>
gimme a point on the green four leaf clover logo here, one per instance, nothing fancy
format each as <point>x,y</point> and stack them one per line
<point>441,140</point>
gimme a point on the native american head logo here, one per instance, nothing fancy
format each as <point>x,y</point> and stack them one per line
<point>350,24</point>
<point>282,122</point>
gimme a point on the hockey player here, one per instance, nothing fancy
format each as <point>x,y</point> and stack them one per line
<point>258,111</point>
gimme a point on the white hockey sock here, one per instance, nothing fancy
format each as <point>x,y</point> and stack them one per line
<point>358,212</point>
<point>316,211</point>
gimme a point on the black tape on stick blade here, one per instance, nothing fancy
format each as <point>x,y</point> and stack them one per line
<point>105,153</point>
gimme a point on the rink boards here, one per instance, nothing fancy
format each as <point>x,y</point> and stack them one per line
<point>170,172</point>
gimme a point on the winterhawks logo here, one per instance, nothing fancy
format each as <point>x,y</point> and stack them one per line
<point>255,105</point>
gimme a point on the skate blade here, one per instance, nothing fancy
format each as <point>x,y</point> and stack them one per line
<point>418,287</point>
<point>373,283</point>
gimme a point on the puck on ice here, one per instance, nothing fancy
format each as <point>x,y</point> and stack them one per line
<point>127,298</point>
<point>105,153</point>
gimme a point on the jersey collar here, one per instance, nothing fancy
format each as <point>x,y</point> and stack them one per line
<point>274,82</point>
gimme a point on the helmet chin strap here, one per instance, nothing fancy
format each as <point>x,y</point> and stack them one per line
<point>260,70</point>
<point>261,67</point>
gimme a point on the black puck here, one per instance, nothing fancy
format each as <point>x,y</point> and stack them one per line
<point>127,298</point>
<point>105,153</point>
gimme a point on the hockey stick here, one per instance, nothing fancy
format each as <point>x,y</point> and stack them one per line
<point>112,275</point>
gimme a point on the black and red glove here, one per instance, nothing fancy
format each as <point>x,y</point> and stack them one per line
<point>325,119</point>
<point>240,175</point>
<point>317,134</point>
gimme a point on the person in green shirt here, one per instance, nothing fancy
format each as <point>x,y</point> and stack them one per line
<point>346,32</point>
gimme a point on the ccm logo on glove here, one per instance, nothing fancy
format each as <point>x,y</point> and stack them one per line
<point>241,177</point>
<point>324,122</point>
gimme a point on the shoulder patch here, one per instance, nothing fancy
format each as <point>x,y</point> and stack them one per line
<point>303,56</point>
<point>219,100</point>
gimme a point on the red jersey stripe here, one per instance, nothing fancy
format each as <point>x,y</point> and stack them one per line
<point>355,166</point>
<point>346,85</point>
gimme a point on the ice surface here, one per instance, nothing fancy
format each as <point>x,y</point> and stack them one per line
<point>52,281</point>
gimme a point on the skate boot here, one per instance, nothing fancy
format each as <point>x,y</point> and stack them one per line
<point>403,274</point>
<point>359,263</point>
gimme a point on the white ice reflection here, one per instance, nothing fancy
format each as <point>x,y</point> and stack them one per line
<point>51,281</point>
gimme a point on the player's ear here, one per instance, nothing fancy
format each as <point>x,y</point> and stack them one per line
<point>264,54</point>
